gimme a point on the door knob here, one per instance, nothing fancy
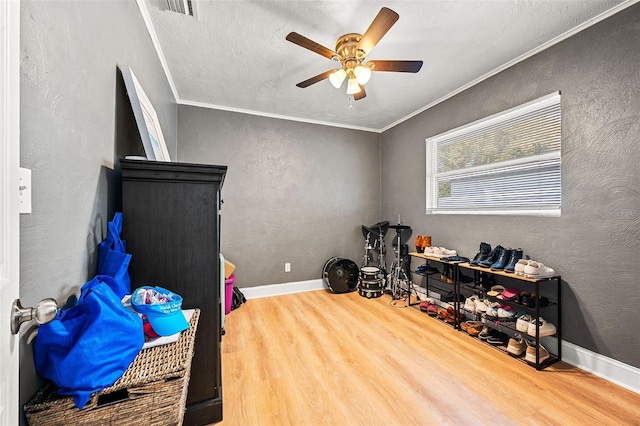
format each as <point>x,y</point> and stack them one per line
<point>43,313</point>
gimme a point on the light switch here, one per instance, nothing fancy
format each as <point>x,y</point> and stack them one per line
<point>25,191</point>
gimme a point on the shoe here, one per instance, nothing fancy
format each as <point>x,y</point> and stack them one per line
<point>428,251</point>
<point>538,270</point>
<point>517,345</point>
<point>530,357</point>
<point>492,258</point>
<point>442,314</point>
<point>429,307</point>
<point>505,315</point>
<point>544,328</point>
<point>419,247</point>
<point>502,261</point>
<point>474,327</point>
<point>483,253</point>
<point>467,324</point>
<point>519,268</point>
<point>446,271</point>
<point>530,300</point>
<point>481,306</point>
<point>519,313</point>
<point>491,313</point>
<point>426,269</point>
<point>485,333</point>
<point>499,339</point>
<point>522,296</point>
<point>426,241</point>
<point>449,253</point>
<point>449,275</point>
<point>522,323</point>
<point>441,252</point>
<point>516,255</point>
<point>486,281</point>
<point>470,304</point>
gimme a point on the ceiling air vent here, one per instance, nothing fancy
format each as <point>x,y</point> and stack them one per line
<point>186,7</point>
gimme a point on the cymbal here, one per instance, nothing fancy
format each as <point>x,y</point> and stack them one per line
<point>399,226</point>
<point>377,230</point>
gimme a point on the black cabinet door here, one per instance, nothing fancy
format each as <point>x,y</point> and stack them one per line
<point>172,228</point>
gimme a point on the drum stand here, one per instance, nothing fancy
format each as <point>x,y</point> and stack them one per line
<point>374,242</point>
<point>399,282</point>
<point>366,258</point>
<point>382,258</point>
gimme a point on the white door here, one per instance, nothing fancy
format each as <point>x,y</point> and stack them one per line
<point>9,216</point>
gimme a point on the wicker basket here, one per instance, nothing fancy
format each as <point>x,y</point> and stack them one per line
<point>153,391</point>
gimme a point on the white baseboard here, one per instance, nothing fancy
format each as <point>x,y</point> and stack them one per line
<point>280,289</point>
<point>599,365</point>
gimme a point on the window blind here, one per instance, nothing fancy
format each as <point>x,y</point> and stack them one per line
<point>509,163</point>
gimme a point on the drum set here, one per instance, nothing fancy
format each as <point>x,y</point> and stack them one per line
<point>372,280</point>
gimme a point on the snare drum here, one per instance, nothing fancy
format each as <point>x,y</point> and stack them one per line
<point>370,282</point>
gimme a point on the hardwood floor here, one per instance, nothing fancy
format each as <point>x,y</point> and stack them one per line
<point>318,358</point>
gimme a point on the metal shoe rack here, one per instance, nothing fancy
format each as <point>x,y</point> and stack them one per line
<point>445,294</point>
<point>543,287</point>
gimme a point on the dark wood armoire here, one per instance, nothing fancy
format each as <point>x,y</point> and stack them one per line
<point>171,224</point>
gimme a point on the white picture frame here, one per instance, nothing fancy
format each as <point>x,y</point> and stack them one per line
<point>153,142</point>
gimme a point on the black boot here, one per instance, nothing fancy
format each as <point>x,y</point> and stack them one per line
<point>516,255</point>
<point>503,260</point>
<point>482,254</point>
<point>492,258</point>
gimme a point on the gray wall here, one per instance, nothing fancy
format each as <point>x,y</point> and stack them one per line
<point>73,109</point>
<point>594,245</point>
<point>294,192</point>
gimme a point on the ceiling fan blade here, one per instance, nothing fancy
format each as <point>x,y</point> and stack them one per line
<point>395,66</point>
<point>314,80</point>
<point>302,41</point>
<point>361,94</point>
<point>378,28</point>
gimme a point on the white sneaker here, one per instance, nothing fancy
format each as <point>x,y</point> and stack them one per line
<point>523,323</point>
<point>504,315</point>
<point>481,306</point>
<point>428,251</point>
<point>545,328</point>
<point>538,270</point>
<point>531,354</point>
<point>448,253</point>
<point>519,268</point>
<point>470,303</point>
<point>436,252</point>
<point>491,313</point>
<point>441,252</point>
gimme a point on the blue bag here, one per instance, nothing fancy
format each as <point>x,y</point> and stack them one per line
<point>89,346</point>
<point>112,257</point>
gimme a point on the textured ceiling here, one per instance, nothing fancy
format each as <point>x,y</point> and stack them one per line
<point>234,54</point>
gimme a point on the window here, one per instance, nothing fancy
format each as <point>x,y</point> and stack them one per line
<point>508,163</point>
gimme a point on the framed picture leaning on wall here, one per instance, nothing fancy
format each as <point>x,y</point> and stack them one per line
<point>146,117</point>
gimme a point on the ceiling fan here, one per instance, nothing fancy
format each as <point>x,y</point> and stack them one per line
<point>351,51</point>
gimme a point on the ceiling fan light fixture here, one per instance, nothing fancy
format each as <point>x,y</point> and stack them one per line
<point>363,74</point>
<point>353,87</point>
<point>337,78</point>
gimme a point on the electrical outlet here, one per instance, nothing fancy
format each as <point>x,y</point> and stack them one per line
<point>287,267</point>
